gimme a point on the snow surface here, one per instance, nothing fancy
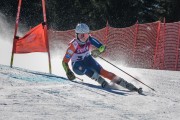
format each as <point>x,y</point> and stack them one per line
<point>31,95</point>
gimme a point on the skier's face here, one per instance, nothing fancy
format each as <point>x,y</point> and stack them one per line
<point>83,36</point>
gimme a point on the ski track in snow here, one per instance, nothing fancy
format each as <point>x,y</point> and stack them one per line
<point>30,95</point>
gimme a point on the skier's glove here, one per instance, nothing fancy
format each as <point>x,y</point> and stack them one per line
<point>70,75</point>
<point>97,52</point>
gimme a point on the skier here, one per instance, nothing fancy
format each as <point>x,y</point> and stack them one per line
<point>83,63</point>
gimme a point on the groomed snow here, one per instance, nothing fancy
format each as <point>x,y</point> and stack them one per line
<point>30,95</point>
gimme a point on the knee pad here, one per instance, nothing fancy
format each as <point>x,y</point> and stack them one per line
<point>79,70</point>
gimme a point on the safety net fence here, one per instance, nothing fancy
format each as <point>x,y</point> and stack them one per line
<point>152,45</point>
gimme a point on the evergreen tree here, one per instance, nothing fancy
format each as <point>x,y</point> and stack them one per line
<point>65,14</point>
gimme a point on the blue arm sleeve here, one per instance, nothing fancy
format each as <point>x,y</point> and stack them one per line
<point>95,42</point>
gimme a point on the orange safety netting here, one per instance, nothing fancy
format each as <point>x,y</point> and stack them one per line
<point>152,45</point>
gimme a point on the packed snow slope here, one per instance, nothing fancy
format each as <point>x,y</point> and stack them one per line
<point>31,95</point>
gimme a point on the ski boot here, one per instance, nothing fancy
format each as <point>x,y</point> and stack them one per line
<point>140,91</point>
<point>127,85</point>
<point>100,80</point>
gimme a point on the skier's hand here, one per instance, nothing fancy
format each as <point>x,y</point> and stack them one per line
<point>70,75</point>
<point>95,53</point>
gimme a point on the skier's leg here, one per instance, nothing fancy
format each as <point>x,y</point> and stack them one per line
<point>109,75</point>
<point>129,86</point>
<point>100,80</point>
<point>95,67</point>
<point>93,75</point>
<point>82,69</point>
<point>120,81</point>
<point>126,84</point>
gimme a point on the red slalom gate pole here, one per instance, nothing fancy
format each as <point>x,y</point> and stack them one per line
<point>46,34</point>
<point>15,32</point>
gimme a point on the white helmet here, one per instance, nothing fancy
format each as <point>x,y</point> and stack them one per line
<point>82,28</point>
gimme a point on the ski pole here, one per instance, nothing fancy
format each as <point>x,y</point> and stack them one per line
<point>127,73</point>
<point>79,78</point>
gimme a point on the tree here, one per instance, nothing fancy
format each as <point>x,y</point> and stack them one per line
<point>65,14</point>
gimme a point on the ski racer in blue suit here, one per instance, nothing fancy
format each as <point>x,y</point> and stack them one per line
<point>84,64</point>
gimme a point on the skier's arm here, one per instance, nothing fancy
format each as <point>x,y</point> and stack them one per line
<point>65,66</point>
<point>100,47</point>
<point>65,61</point>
